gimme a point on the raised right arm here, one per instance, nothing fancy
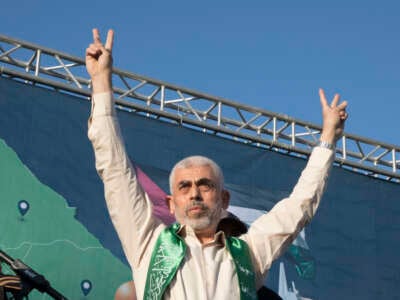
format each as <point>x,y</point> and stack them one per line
<point>129,206</point>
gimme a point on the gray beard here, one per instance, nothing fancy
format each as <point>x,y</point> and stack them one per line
<point>202,222</point>
<point>198,224</point>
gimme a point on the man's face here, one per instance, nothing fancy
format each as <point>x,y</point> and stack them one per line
<point>197,199</point>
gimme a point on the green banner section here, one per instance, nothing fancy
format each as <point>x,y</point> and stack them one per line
<point>39,228</point>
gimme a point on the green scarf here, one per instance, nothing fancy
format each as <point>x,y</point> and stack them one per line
<point>168,255</point>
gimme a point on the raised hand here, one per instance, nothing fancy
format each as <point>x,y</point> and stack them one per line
<point>99,62</point>
<point>334,117</point>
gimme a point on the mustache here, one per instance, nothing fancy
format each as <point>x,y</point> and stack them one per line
<point>196,203</point>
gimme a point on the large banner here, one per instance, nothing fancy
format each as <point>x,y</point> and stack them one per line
<point>53,214</point>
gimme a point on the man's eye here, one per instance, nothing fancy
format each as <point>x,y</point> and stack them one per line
<point>184,187</point>
<point>206,186</point>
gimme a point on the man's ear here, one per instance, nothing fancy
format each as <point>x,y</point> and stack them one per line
<point>225,198</point>
<point>170,203</point>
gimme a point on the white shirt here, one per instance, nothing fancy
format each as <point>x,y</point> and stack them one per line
<point>208,271</point>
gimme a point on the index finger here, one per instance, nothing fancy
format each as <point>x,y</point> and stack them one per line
<point>96,36</point>
<point>110,40</point>
<point>322,97</point>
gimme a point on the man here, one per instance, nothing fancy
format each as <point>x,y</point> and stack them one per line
<point>193,260</point>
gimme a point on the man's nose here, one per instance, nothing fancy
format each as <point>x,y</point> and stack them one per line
<point>195,193</point>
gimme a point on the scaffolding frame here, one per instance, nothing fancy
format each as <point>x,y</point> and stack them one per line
<point>48,68</point>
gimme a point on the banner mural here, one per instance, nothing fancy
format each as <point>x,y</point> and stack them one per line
<point>54,219</point>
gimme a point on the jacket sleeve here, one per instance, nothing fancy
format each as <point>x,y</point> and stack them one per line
<point>129,206</point>
<point>270,235</point>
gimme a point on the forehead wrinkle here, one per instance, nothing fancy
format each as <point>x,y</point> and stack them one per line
<point>195,171</point>
<point>196,181</point>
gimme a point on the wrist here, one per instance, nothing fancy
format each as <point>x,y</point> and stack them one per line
<point>326,145</point>
<point>328,135</point>
<point>101,83</point>
<point>327,139</point>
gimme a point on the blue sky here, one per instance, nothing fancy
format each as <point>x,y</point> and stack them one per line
<point>268,54</point>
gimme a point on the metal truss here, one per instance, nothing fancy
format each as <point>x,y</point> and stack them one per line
<point>40,66</point>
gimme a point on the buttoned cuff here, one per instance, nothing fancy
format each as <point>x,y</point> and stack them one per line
<point>102,105</point>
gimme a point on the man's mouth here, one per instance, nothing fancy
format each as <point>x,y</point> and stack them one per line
<point>195,209</point>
